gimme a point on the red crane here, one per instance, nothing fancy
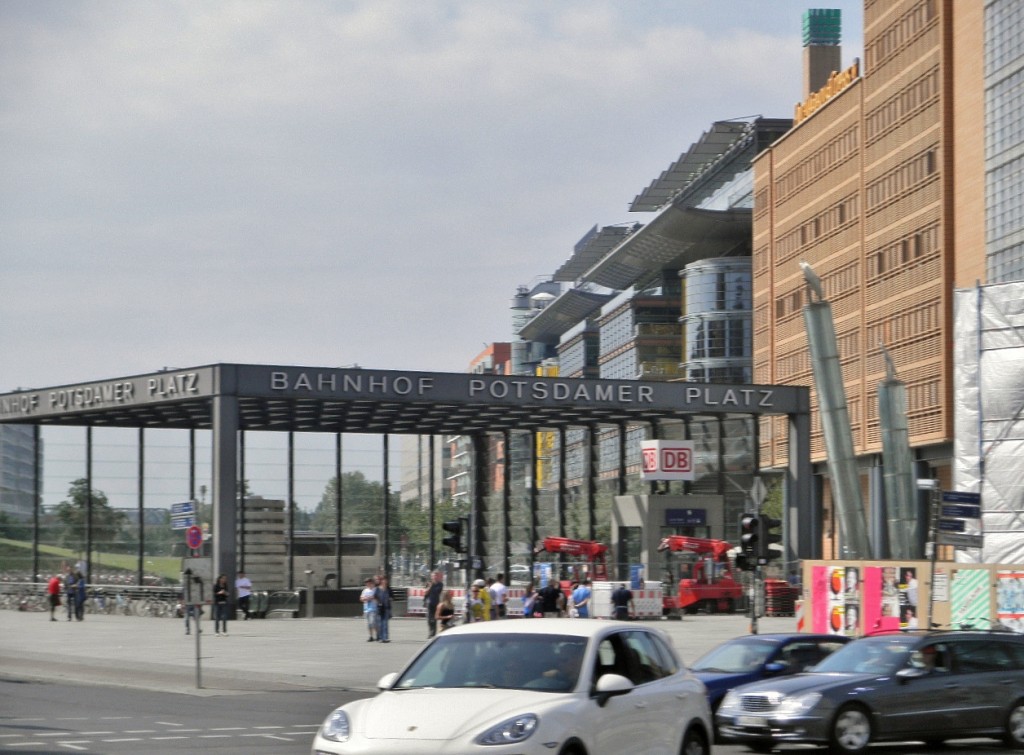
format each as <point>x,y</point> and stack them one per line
<point>710,583</point>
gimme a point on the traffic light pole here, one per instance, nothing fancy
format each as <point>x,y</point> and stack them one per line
<point>754,583</point>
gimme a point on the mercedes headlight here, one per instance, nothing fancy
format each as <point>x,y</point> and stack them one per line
<point>513,730</point>
<point>336,728</point>
<point>730,703</point>
<point>796,705</point>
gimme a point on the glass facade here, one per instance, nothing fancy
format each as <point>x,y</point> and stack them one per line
<point>717,325</point>
<point>1004,139</point>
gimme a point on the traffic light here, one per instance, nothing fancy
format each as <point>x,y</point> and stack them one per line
<point>750,538</point>
<point>454,540</point>
<point>767,538</point>
<point>743,563</point>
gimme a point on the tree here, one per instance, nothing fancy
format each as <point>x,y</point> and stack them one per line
<point>72,514</point>
<point>362,505</point>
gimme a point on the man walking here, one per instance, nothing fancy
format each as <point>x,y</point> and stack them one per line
<point>430,601</point>
<point>622,603</point>
<point>499,594</point>
<point>368,597</point>
<point>244,587</point>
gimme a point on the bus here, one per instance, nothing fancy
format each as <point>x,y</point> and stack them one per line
<point>360,557</point>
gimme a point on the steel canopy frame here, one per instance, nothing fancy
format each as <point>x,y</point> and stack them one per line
<point>231,398</point>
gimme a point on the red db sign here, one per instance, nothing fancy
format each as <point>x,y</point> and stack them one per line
<point>666,460</point>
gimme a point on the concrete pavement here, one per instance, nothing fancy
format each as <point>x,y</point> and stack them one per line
<point>256,655</point>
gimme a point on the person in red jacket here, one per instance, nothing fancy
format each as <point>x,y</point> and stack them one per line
<point>53,588</point>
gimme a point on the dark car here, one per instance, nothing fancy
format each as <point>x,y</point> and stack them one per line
<point>919,686</point>
<point>760,656</point>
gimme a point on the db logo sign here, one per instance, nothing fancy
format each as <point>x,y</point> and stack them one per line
<point>666,460</point>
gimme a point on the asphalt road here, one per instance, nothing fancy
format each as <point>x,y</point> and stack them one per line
<point>114,684</point>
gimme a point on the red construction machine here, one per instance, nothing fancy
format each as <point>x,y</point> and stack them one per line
<point>591,553</point>
<point>706,580</point>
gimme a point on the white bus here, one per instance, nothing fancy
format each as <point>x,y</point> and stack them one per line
<point>360,558</point>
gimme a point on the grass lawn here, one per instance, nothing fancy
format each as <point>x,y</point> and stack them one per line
<point>16,557</point>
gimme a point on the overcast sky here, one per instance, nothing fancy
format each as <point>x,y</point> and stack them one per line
<point>337,183</point>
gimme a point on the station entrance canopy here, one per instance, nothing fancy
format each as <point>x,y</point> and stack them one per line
<point>227,398</point>
<point>354,400</point>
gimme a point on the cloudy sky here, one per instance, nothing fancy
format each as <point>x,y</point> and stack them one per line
<point>337,183</point>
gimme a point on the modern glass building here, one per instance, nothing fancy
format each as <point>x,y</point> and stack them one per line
<point>1004,140</point>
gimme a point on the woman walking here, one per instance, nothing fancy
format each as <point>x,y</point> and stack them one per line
<point>221,593</point>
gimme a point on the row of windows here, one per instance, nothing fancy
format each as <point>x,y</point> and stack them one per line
<point>829,220</point>
<point>906,325</point>
<point>1006,265</point>
<point>903,251</point>
<point>735,374</point>
<point>1003,43</point>
<point>901,179</point>
<point>718,338</point>
<point>840,282</point>
<point>718,290</point>
<point>1005,199</point>
<point>895,36</point>
<point>1004,114</point>
<point>912,98</point>
<point>814,166</point>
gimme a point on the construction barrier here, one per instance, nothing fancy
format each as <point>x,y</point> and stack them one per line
<point>647,601</point>
<point>417,607</point>
<point>780,598</point>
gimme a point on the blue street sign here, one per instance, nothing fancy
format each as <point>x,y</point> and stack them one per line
<point>955,496</point>
<point>183,509</point>
<point>685,517</point>
<point>962,510</point>
<point>951,525</point>
<point>182,522</point>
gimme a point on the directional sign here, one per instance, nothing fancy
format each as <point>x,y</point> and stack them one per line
<point>955,496</point>
<point>183,509</point>
<point>194,537</point>
<point>951,525</point>
<point>962,510</point>
<point>182,522</point>
<point>960,540</point>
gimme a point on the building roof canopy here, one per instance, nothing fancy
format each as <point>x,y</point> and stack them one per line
<point>354,400</point>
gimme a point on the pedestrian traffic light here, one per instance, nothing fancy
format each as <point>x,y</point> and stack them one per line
<point>768,536</point>
<point>750,538</point>
<point>454,540</point>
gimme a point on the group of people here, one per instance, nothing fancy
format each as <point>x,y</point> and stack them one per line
<point>377,600</point>
<point>488,600</point>
<point>73,586</point>
<point>222,603</point>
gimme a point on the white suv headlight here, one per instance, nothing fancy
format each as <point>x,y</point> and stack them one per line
<point>507,732</point>
<point>336,728</point>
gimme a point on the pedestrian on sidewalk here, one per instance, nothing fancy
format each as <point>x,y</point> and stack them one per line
<point>368,597</point>
<point>80,595</point>
<point>69,590</point>
<point>221,594</point>
<point>383,609</point>
<point>244,587</point>
<point>431,601</point>
<point>53,590</point>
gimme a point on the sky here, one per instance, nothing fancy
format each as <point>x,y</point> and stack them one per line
<point>344,182</point>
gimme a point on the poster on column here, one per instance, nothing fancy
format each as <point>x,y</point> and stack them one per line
<point>1010,599</point>
<point>907,585</point>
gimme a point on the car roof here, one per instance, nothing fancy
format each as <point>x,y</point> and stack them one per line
<point>778,637</point>
<point>563,627</point>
